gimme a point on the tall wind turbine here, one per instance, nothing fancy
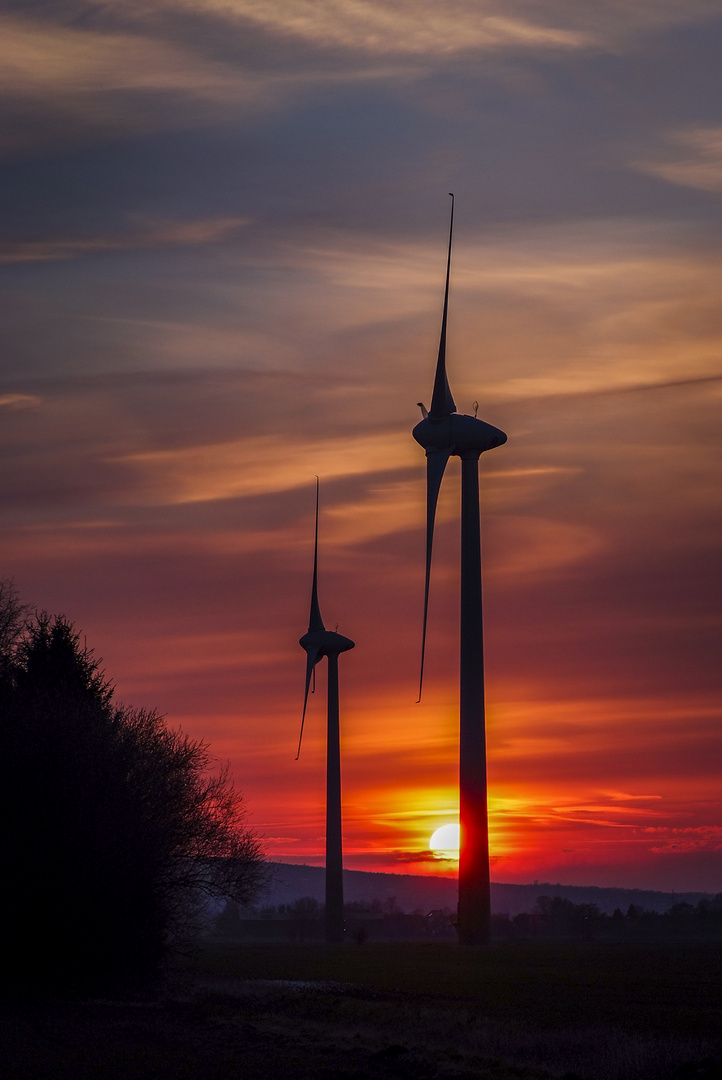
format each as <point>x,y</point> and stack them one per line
<point>320,642</point>
<point>444,433</point>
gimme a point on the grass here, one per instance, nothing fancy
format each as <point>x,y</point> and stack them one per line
<point>643,988</point>
<point>397,1011</point>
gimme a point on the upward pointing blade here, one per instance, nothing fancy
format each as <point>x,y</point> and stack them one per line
<point>442,401</point>
<point>315,622</point>
<point>435,464</point>
<point>312,658</point>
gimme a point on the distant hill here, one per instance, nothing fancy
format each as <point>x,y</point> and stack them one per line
<point>416,892</point>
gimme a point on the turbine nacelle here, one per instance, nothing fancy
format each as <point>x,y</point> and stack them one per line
<point>457,435</point>
<point>320,643</point>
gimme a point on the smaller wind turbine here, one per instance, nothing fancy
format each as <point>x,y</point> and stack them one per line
<point>320,642</point>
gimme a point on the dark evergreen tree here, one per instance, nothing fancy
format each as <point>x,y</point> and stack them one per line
<point>114,827</point>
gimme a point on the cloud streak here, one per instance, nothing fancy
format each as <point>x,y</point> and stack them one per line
<point>150,234</point>
<point>699,160</point>
<point>40,59</point>
<point>420,28</point>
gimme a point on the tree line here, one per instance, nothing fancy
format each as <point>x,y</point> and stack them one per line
<point>117,828</point>
<point>555,917</point>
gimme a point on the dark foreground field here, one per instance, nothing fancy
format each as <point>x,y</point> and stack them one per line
<point>402,1011</point>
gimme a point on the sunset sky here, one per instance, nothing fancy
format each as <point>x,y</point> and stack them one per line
<point>223,248</point>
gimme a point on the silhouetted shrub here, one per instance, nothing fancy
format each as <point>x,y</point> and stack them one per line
<point>114,829</point>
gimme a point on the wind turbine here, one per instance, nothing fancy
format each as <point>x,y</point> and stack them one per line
<point>320,642</point>
<point>444,433</point>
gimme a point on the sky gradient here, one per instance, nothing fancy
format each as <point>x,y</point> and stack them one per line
<point>222,256</point>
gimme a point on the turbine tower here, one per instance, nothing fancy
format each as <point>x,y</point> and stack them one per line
<point>320,642</point>
<point>444,433</point>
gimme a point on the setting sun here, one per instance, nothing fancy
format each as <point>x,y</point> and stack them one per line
<point>445,841</point>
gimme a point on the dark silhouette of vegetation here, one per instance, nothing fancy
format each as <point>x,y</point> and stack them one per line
<point>557,919</point>
<point>13,619</point>
<point>303,920</point>
<point>554,919</point>
<point>115,831</point>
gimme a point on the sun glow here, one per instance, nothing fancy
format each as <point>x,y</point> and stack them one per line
<point>445,842</point>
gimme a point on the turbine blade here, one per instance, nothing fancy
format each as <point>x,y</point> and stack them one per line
<point>442,401</point>
<point>435,465</point>
<point>315,622</point>
<point>312,658</point>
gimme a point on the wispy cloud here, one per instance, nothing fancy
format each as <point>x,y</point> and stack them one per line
<point>141,235</point>
<point>406,26</point>
<point>18,401</point>
<point>135,70</point>
<point>65,83</point>
<point>261,465</point>
<point>697,162</point>
<point>38,58</point>
<point>669,840</point>
<point>422,28</point>
<point>610,302</point>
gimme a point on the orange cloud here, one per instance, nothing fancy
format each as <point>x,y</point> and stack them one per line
<point>260,465</point>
